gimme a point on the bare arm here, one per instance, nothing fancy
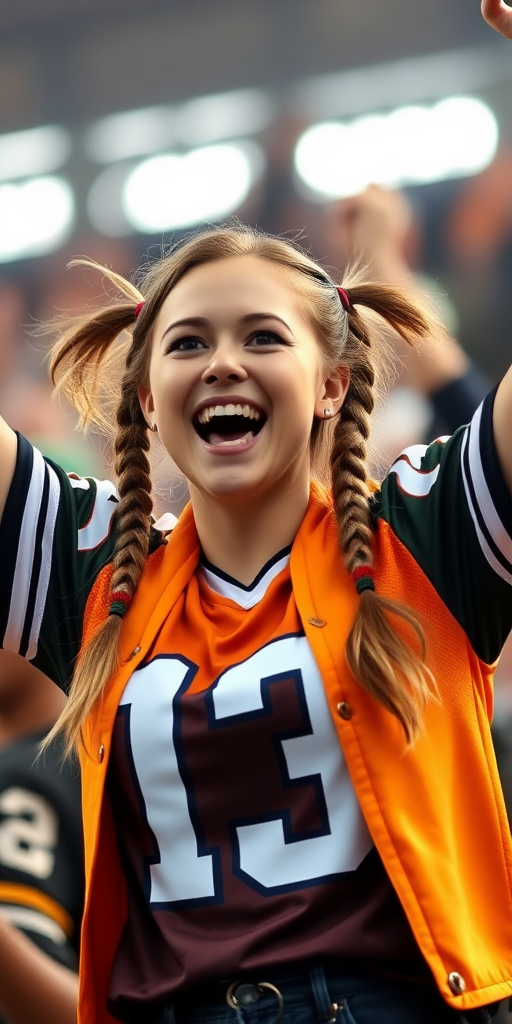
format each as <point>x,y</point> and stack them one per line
<point>376,226</point>
<point>503,426</point>
<point>8,447</point>
<point>33,987</point>
<point>499,16</point>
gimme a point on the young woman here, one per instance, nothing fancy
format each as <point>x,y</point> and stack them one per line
<point>291,803</point>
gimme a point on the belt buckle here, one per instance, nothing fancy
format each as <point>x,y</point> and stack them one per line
<point>242,994</point>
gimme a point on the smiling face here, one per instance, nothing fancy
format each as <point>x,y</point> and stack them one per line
<point>236,378</point>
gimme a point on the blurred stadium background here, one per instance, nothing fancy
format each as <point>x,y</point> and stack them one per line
<point>126,123</point>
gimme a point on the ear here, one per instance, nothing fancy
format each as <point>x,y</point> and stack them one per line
<point>333,392</point>
<point>146,403</point>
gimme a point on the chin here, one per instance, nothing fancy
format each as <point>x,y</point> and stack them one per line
<point>231,491</point>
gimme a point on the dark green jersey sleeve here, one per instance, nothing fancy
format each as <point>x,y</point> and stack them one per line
<point>449,505</point>
<point>56,534</point>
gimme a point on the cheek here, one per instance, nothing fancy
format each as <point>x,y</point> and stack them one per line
<point>168,393</point>
<point>299,393</point>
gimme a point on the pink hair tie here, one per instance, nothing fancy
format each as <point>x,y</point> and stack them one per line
<point>345,298</point>
<point>364,578</point>
<point>137,309</point>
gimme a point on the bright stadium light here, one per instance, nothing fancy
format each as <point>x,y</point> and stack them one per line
<point>34,151</point>
<point>470,133</point>
<point>200,121</point>
<point>132,133</point>
<point>36,217</point>
<point>221,116</point>
<point>105,204</point>
<point>416,147</point>
<point>412,145</point>
<point>325,163</point>
<point>172,191</point>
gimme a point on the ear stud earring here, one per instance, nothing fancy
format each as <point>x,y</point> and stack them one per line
<point>153,427</point>
<point>328,412</point>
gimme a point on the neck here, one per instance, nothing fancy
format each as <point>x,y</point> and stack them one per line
<point>241,538</point>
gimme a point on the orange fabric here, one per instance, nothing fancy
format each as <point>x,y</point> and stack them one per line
<point>435,811</point>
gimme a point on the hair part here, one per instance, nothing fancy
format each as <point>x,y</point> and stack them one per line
<point>390,667</point>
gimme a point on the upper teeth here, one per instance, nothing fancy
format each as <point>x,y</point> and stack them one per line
<point>205,415</point>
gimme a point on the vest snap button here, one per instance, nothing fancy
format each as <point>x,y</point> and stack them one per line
<point>101,753</point>
<point>344,710</point>
<point>134,652</point>
<point>456,983</point>
<point>316,622</point>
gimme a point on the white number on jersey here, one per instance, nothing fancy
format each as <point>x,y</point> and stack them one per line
<point>412,479</point>
<point>266,856</point>
<point>28,832</point>
<point>96,531</point>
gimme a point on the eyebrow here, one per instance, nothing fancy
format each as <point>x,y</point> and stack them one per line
<point>201,321</point>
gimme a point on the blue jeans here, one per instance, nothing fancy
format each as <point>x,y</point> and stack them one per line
<point>315,996</point>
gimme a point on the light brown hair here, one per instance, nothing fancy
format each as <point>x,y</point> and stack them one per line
<point>392,670</point>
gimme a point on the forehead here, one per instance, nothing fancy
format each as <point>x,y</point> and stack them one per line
<point>231,288</point>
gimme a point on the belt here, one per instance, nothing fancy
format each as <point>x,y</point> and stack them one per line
<point>243,993</point>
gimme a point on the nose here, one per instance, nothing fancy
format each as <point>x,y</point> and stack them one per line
<point>224,366</point>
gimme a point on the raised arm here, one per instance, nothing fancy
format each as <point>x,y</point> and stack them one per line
<point>499,16</point>
<point>503,426</point>
<point>379,226</point>
<point>7,461</point>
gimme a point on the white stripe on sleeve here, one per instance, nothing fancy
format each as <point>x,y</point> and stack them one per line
<point>24,564</point>
<point>46,562</point>
<point>488,525</point>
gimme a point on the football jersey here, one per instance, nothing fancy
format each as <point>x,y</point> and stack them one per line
<point>224,737</point>
<point>450,511</point>
<point>41,846</point>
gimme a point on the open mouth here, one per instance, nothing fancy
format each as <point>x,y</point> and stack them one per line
<point>229,425</point>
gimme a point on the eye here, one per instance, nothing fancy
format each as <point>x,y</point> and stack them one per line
<point>263,339</point>
<point>188,344</point>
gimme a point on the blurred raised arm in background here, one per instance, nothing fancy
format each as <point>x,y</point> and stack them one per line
<point>379,228</point>
<point>41,858</point>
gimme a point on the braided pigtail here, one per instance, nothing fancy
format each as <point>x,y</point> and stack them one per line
<point>392,669</point>
<point>100,658</point>
<point>78,365</point>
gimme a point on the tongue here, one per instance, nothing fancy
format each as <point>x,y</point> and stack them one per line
<point>230,439</point>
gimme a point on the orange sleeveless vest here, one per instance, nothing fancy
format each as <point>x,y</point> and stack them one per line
<point>435,811</point>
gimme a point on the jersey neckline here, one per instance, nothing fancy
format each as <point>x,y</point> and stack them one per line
<point>247,596</point>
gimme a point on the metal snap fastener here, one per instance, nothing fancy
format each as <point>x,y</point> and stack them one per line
<point>344,710</point>
<point>101,753</point>
<point>316,622</point>
<point>242,993</point>
<point>456,983</point>
<point>134,652</point>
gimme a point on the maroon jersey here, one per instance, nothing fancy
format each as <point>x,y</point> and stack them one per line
<point>240,831</point>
